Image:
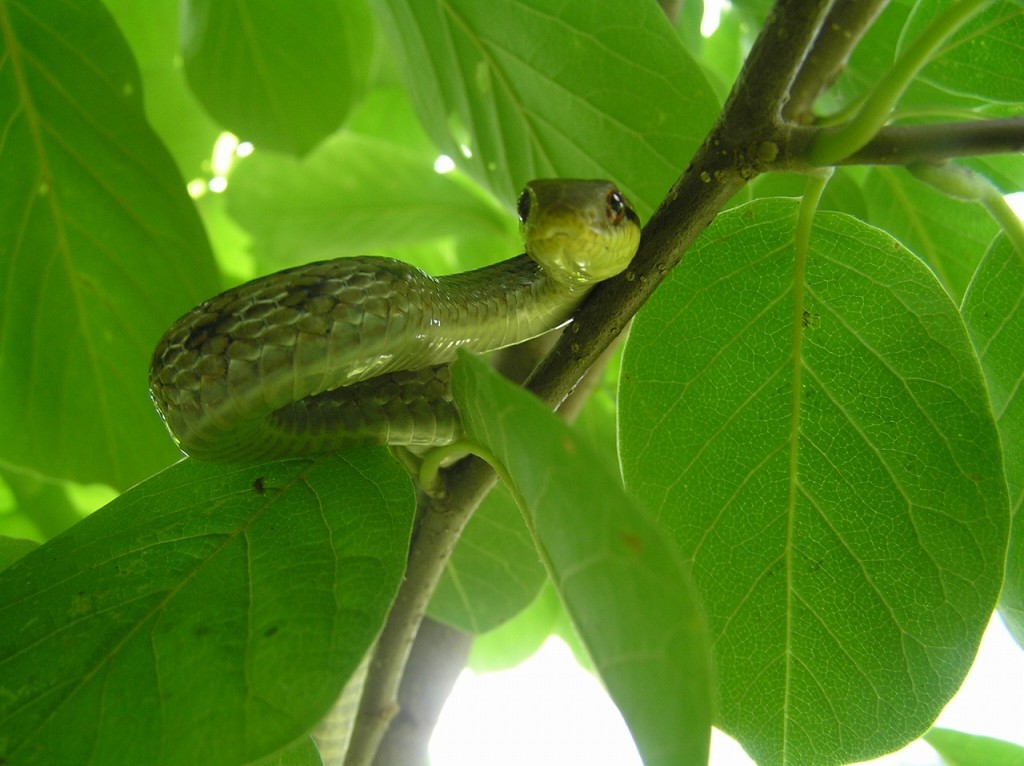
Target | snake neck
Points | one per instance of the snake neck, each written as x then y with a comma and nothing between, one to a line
500,305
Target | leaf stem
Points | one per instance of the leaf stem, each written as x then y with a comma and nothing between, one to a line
964,184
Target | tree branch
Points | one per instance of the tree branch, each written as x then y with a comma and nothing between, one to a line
742,143
441,524
438,657
763,86
844,27
903,144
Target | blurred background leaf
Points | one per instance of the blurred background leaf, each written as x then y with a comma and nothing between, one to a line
101,249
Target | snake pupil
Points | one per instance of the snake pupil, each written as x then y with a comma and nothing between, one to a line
616,207
523,206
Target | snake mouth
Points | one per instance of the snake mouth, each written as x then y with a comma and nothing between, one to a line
560,251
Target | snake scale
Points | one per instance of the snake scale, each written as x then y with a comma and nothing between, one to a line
356,350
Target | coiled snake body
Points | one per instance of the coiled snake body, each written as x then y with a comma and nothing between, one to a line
355,350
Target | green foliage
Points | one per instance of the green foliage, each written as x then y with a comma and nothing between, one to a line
760,431
594,539
995,319
553,92
816,448
101,248
959,749
221,598
272,76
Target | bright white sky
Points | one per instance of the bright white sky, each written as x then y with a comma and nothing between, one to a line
551,712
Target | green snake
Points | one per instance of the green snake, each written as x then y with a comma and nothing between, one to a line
356,350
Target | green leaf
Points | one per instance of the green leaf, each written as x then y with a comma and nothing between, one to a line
208,615
526,89
960,749
337,202
302,752
151,29
723,51
982,60
494,572
816,437
100,249
947,234
900,22
44,506
1006,171
626,591
519,638
687,25
994,317
279,78
13,548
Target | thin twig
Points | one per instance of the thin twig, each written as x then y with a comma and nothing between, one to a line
844,27
438,656
903,144
442,522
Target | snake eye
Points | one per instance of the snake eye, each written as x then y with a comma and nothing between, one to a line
523,206
615,207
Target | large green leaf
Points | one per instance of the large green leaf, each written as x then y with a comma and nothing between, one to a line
947,234
816,436
280,75
208,615
526,89
358,194
13,548
518,639
495,571
151,29
100,248
982,60
994,316
629,596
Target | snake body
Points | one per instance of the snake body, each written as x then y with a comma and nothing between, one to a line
355,350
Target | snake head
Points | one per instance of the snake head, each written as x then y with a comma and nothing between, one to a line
580,231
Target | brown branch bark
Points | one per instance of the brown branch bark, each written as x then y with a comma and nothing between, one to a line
438,656
904,144
441,524
844,27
